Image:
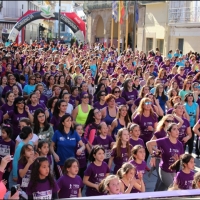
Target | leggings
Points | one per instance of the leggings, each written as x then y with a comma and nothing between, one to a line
158,182
190,143
166,178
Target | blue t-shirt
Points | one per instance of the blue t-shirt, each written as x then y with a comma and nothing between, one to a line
29,89
192,112
66,145
162,102
93,68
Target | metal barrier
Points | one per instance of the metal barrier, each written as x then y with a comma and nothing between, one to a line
176,194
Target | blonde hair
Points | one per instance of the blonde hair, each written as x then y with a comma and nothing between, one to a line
161,123
105,182
196,180
126,167
140,108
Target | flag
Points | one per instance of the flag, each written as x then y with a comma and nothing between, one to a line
114,11
121,11
136,13
127,8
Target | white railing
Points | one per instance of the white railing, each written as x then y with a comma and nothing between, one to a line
184,15
181,194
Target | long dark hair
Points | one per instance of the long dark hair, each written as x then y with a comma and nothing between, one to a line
90,118
68,163
126,84
99,87
56,110
35,173
22,158
36,123
61,126
94,151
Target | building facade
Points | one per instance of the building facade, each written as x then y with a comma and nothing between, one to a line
167,25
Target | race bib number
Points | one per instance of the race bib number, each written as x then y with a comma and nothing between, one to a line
26,179
107,153
4,150
42,195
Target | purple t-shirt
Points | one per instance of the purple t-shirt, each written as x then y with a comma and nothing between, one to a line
170,111
120,161
32,109
6,108
43,99
168,150
144,122
166,67
69,187
99,106
42,190
160,134
55,121
105,143
7,148
72,100
137,101
179,82
139,167
15,118
25,180
96,175
183,180
120,101
136,142
9,88
183,129
82,158
130,96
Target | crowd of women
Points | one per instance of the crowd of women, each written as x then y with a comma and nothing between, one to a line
77,116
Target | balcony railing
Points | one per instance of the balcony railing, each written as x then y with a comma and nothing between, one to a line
184,15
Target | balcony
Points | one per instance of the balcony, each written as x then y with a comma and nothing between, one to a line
187,15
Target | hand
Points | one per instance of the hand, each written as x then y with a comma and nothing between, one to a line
4,181
56,157
156,101
14,196
79,151
185,139
31,160
150,128
4,161
14,179
140,175
152,162
175,157
97,187
27,109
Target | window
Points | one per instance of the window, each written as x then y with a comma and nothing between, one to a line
62,27
180,44
160,44
149,44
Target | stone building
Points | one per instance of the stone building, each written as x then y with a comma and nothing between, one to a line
167,25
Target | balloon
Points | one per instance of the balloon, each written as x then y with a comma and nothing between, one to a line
2,190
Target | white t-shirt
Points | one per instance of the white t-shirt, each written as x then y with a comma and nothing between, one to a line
34,138
69,108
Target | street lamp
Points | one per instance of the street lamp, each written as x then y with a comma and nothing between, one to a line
59,20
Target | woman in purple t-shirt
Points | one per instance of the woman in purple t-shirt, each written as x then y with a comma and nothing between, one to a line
118,99
101,102
8,106
171,149
147,120
20,111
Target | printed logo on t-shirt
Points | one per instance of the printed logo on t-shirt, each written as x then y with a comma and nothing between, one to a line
26,179
74,190
42,195
4,150
99,177
61,138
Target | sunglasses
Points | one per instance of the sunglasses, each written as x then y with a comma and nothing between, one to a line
20,102
169,121
103,95
38,77
148,103
189,83
190,95
116,91
85,97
